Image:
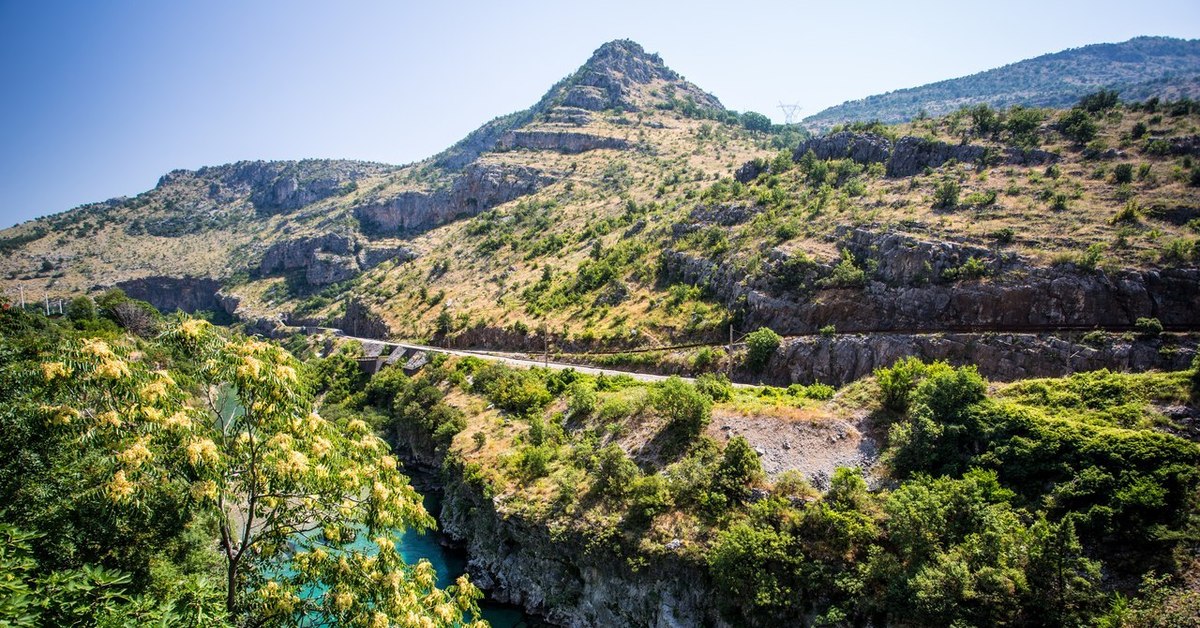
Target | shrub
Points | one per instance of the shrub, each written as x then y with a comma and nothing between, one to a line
1078,126
1128,214
533,461
1123,173
846,274
947,392
582,401
754,121
687,410
1004,235
1100,101
761,344
739,468
516,391
820,392
1196,375
615,472
945,195
717,387
897,382
1148,326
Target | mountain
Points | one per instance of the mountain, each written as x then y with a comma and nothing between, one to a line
1140,68
628,209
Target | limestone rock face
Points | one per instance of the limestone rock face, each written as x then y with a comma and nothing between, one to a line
297,254
561,141
168,294
909,291
999,357
278,186
910,155
480,186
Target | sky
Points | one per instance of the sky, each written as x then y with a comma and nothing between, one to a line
102,98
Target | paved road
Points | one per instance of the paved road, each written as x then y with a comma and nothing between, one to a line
512,360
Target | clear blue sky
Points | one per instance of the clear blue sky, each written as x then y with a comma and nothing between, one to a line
101,98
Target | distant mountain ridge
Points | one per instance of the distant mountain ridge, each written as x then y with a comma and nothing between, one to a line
1139,68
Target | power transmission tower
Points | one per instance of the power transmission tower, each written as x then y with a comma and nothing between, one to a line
789,111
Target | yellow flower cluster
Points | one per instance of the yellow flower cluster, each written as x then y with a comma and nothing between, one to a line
204,490
110,418
321,446
193,328
137,454
279,600
202,451
61,415
380,620
54,370
98,348
294,464
250,367
154,391
113,368
120,488
179,419
341,601
286,373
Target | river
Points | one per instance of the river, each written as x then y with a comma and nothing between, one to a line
450,564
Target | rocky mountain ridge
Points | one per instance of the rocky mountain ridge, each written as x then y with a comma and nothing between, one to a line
1139,68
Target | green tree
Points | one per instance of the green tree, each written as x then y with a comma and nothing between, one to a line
288,489
738,470
761,345
1077,126
687,410
81,309
754,121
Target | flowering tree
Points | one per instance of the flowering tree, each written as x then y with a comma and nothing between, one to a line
291,492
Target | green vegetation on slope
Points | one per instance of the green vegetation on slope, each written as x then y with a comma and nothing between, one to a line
1038,504
1140,68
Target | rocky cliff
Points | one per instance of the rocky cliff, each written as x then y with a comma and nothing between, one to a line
911,155
911,284
844,358
168,294
573,577
479,187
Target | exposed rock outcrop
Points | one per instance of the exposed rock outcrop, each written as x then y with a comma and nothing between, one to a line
842,359
910,155
360,321
909,290
168,294
279,186
479,187
901,258
328,258
561,141
566,575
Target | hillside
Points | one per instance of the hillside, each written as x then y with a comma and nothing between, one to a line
628,210
1141,68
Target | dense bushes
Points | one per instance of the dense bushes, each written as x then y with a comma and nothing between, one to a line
687,410
761,345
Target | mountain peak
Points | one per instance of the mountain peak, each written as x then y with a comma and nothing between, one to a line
627,58
621,74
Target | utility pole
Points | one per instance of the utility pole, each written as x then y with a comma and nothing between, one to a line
546,350
729,351
22,288
47,294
